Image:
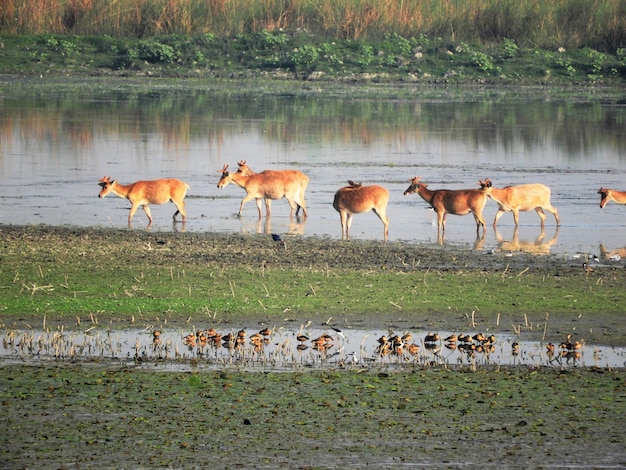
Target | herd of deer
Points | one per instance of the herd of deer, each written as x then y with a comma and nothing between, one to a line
352,199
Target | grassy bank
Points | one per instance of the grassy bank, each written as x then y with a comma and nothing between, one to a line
303,56
569,41
93,417
126,276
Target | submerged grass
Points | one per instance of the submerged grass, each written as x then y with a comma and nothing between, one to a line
91,416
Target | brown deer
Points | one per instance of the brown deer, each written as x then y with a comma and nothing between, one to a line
267,185
607,195
355,199
295,175
450,201
520,198
142,193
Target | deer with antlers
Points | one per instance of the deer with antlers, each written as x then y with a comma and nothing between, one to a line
142,193
268,185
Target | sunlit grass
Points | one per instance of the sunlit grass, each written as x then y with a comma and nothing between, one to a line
568,23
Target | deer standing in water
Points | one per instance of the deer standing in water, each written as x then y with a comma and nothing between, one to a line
451,201
142,193
520,198
355,199
292,175
268,185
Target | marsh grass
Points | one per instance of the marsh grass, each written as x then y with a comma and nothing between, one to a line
82,273
598,24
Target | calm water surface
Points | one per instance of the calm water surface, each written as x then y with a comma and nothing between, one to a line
56,145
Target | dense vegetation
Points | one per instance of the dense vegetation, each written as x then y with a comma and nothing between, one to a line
413,40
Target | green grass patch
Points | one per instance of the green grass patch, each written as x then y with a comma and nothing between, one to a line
130,275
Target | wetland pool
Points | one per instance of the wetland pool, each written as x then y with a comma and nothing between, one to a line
56,145
284,350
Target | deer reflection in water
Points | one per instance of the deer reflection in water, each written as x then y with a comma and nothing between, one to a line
612,255
540,246
295,226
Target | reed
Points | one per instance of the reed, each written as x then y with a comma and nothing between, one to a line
600,24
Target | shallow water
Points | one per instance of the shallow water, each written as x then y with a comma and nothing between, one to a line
283,351
54,147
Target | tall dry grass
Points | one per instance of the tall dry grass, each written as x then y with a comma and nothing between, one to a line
570,23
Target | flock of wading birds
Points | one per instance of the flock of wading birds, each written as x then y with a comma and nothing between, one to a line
353,199
392,345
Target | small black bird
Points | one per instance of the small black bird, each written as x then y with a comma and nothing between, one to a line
279,241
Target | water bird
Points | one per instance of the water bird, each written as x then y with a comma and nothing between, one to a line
265,332
279,241
588,269
451,339
413,349
302,337
355,358
339,332
431,338
479,337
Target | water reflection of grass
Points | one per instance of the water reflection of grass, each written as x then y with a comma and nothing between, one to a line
208,117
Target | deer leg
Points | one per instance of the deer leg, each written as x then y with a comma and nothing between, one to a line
480,220
180,206
348,224
133,209
498,215
268,207
243,203
541,214
554,212
343,216
146,209
299,201
382,215
294,207
441,222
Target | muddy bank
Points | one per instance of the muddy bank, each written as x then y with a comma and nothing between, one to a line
85,250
